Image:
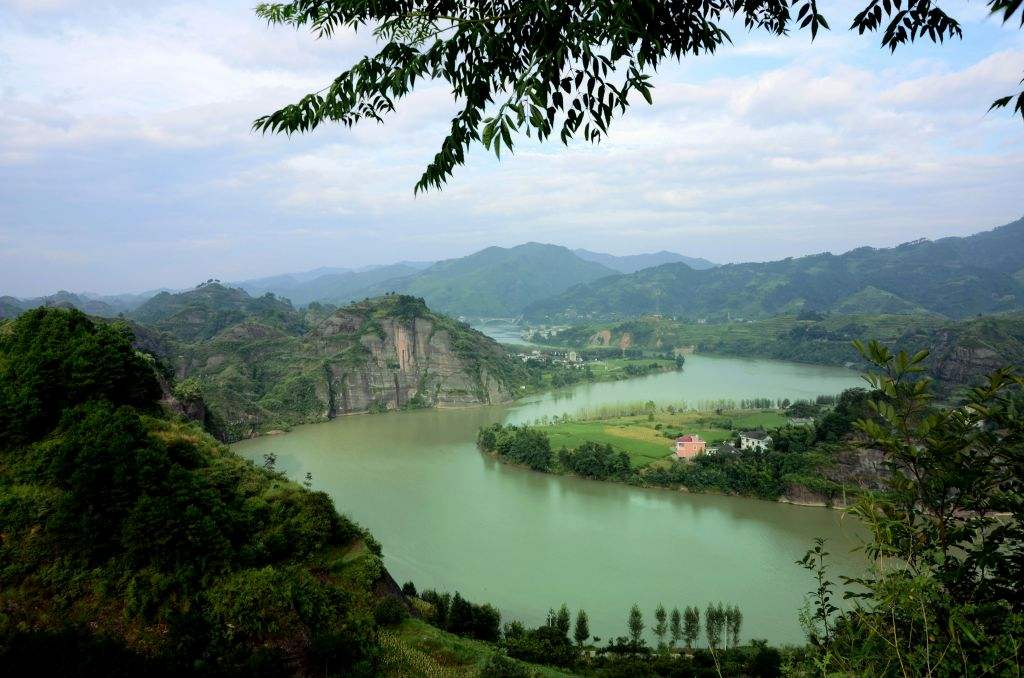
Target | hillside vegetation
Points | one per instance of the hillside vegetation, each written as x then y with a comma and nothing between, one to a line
138,544
954,277
260,365
630,263
961,352
497,281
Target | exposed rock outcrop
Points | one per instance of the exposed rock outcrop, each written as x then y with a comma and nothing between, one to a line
852,471
406,362
261,374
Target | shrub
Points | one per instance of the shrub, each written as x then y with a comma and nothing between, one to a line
501,666
390,611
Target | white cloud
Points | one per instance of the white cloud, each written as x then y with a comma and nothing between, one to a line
126,131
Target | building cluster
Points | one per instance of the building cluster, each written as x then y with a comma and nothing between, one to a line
571,358
692,445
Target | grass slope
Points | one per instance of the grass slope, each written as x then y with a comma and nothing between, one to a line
416,649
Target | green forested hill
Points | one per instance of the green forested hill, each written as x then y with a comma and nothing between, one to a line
11,307
496,281
630,263
261,365
134,544
955,277
210,308
961,351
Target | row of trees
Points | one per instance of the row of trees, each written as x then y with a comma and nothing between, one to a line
561,639
722,624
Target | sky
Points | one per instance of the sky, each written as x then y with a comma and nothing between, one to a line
127,162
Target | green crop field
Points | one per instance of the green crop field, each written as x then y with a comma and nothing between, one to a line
649,440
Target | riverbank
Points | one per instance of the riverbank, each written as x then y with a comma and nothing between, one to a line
546,377
449,517
636,482
802,461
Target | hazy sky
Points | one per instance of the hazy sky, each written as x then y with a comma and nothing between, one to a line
126,160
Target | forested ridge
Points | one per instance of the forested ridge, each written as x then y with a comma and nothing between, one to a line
953,277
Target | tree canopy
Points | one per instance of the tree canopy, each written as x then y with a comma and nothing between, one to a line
540,68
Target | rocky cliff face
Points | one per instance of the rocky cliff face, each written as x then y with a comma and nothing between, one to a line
964,364
380,354
406,363
853,471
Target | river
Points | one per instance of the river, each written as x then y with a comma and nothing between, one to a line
452,518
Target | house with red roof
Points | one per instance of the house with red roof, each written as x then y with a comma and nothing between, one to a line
689,446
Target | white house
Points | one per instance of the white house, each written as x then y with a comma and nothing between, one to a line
755,440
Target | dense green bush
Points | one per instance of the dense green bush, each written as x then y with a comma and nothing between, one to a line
462,617
390,611
517,444
501,666
53,360
542,645
593,460
138,539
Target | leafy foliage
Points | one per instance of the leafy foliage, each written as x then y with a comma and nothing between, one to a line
51,361
545,69
517,444
122,524
593,460
457,615
946,537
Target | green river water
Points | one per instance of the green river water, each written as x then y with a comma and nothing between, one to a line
452,518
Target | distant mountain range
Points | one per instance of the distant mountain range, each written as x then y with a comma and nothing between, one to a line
103,306
496,281
954,277
631,263
330,285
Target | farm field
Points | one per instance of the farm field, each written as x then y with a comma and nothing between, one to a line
649,439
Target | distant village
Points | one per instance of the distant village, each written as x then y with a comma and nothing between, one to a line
554,357
692,445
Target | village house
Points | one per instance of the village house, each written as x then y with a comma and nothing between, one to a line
723,448
755,440
689,446
801,421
